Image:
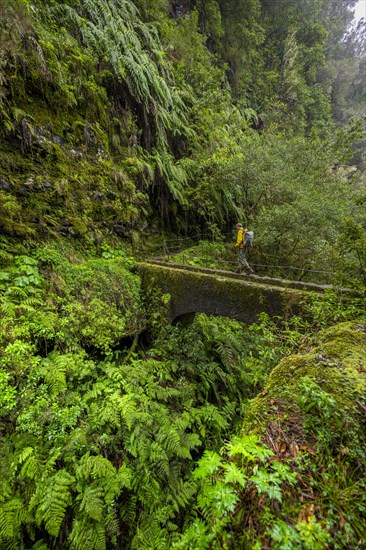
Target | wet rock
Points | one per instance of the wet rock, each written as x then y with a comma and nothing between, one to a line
27,187
66,231
76,154
120,229
97,197
41,140
4,185
101,153
42,136
112,195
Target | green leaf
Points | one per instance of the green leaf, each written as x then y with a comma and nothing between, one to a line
234,475
207,465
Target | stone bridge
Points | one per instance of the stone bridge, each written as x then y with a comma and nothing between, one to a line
196,289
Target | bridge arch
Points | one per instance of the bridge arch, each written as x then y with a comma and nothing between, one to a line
195,290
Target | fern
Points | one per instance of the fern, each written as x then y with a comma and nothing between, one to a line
53,502
93,502
53,371
31,468
248,447
208,465
115,31
234,475
127,406
94,467
12,514
150,535
128,510
40,545
181,494
87,534
113,485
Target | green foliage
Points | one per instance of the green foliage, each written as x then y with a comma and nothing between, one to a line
95,302
307,535
52,504
223,484
253,495
99,452
115,114
7,393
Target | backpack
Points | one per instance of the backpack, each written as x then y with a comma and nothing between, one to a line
249,238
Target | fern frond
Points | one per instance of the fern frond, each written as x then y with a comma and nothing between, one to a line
24,454
93,502
127,407
12,514
31,468
87,534
94,467
40,545
128,510
53,502
114,31
17,292
8,308
97,390
54,376
181,493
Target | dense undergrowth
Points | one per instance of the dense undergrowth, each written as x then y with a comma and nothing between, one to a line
124,125
305,487
98,442
100,436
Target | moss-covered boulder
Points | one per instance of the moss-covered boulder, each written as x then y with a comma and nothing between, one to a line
336,363
312,415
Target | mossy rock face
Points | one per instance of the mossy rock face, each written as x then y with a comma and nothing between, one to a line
336,363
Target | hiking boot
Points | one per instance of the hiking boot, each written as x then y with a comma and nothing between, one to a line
238,270
250,271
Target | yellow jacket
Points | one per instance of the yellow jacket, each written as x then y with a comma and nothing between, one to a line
240,238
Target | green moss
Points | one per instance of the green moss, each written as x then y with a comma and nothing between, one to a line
244,300
337,362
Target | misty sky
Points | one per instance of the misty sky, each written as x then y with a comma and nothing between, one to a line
360,10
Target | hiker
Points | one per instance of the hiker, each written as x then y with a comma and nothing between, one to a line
244,240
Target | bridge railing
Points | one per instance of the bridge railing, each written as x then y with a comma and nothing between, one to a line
206,250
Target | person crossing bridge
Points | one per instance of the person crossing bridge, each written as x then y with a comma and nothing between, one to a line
244,240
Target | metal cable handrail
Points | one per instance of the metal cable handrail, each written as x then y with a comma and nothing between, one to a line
289,267
184,240
308,270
